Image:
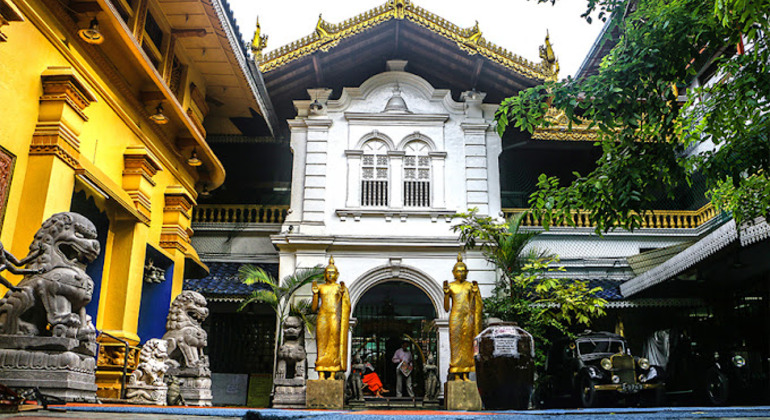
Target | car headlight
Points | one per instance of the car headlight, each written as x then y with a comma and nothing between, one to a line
615,379
606,364
644,363
739,361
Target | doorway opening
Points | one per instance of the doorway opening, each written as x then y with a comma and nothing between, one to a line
386,314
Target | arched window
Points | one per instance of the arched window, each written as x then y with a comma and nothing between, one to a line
417,174
374,174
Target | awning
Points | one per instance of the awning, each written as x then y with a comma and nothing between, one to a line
699,251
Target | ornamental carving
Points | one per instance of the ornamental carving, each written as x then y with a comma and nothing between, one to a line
327,35
7,163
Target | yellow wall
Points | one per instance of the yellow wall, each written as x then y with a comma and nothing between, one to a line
34,46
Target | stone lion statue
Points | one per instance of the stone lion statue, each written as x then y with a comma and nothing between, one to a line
152,363
146,383
57,289
184,334
291,354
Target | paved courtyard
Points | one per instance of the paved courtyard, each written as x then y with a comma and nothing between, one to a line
165,413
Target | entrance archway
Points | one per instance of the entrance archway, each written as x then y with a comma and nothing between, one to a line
385,314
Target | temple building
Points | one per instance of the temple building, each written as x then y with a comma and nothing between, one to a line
109,104
383,130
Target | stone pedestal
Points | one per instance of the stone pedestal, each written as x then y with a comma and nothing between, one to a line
195,385
289,393
462,395
63,374
147,394
326,394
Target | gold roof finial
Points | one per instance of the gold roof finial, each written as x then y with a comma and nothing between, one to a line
259,42
550,63
320,27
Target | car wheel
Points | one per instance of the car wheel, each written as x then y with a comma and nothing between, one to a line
587,395
717,387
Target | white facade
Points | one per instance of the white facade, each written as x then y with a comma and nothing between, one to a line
376,189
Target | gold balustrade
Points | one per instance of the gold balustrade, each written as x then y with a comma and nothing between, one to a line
239,213
665,219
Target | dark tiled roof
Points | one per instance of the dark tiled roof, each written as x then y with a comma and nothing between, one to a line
610,288
223,280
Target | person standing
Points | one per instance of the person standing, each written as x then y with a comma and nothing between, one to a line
403,360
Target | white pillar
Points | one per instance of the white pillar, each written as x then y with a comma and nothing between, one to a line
437,167
299,149
443,349
476,182
314,206
396,178
354,178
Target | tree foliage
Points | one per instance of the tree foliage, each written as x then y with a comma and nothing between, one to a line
528,291
650,141
280,295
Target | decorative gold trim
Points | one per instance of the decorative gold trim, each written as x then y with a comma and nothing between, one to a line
327,36
559,129
654,219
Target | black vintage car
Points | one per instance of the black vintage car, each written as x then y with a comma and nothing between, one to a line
597,367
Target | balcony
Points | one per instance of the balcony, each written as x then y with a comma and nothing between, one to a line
240,214
657,219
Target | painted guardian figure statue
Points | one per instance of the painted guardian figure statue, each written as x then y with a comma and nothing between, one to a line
465,320
332,302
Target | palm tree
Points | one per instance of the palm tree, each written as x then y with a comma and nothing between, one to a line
502,244
280,296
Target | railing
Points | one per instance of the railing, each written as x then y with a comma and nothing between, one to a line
374,193
239,213
666,219
416,194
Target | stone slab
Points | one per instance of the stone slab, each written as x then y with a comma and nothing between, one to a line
66,375
37,343
289,396
326,394
462,395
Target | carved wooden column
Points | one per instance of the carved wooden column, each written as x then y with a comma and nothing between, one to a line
174,236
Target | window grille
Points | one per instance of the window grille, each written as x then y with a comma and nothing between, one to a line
374,175
416,176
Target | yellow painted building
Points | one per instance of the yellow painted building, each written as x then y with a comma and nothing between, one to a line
106,105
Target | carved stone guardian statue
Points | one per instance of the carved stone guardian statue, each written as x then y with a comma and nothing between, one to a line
432,384
146,385
465,321
186,341
332,302
46,338
355,382
291,372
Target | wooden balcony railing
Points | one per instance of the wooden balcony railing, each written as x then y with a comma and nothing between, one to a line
239,213
665,219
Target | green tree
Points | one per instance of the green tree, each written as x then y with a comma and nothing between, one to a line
527,291
280,296
645,134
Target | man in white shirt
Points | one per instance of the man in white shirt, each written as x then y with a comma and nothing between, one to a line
403,360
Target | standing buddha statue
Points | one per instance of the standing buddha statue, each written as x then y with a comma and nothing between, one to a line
332,302
464,320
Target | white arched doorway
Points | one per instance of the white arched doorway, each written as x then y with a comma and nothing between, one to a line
389,303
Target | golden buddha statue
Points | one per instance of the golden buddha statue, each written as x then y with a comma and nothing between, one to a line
464,320
332,323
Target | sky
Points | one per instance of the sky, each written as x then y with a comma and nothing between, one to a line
517,25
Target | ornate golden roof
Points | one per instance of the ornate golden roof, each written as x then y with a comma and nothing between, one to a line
327,35
559,129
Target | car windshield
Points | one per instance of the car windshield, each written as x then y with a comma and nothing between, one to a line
598,346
